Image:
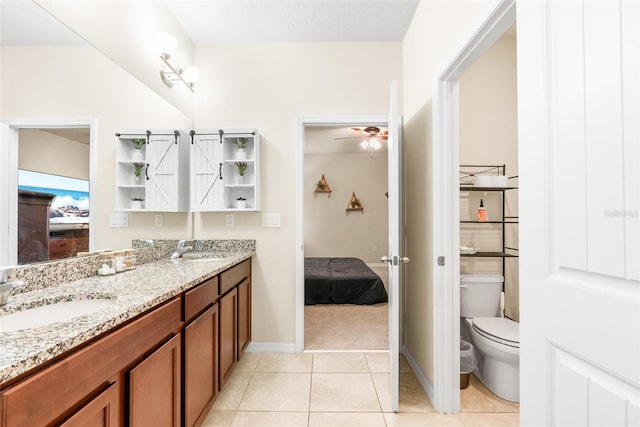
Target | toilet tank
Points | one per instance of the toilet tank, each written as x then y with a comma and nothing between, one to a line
480,295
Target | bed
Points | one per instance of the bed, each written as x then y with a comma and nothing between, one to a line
341,281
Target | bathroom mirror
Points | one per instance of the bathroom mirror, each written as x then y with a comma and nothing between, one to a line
26,27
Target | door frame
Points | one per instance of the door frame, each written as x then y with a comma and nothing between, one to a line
445,190
303,121
9,192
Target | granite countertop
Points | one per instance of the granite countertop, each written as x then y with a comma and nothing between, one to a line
133,292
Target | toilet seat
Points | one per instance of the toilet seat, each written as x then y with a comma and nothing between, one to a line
498,329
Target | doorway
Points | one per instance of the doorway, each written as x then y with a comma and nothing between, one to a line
446,239
345,165
59,189
320,152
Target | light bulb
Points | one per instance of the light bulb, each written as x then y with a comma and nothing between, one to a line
191,74
166,44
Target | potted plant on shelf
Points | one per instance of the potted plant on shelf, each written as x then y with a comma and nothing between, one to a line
138,143
137,173
241,203
137,203
242,170
241,143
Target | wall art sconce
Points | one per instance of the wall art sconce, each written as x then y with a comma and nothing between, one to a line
170,74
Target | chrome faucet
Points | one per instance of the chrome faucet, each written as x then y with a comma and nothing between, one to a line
180,249
7,286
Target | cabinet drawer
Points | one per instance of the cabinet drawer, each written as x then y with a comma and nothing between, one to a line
200,297
234,275
68,383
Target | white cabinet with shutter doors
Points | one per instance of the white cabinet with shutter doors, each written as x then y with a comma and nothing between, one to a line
216,184
164,166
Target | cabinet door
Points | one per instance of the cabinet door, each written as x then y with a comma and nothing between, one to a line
102,411
244,316
228,334
154,388
161,189
206,172
200,365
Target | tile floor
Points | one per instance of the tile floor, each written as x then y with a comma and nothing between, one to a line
329,389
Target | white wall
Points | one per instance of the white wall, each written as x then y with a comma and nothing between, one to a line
267,86
45,152
80,82
489,136
125,32
331,230
438,28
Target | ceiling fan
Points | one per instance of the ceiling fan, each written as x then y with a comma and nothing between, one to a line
371,137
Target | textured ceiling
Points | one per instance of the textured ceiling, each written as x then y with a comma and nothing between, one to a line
24,23
293,20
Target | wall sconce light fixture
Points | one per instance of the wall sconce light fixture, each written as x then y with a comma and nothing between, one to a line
166,44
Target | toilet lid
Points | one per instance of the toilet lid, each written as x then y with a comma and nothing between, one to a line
499,329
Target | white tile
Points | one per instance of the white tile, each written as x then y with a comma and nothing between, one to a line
270,419
343,393
346,419
340,362
277,392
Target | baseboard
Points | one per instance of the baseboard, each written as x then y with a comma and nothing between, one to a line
422,378
271,347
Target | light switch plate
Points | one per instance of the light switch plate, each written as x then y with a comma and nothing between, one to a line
119,220
229,220
159,221
271,220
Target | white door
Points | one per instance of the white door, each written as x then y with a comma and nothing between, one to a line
396,257
578,130
162,157
206,170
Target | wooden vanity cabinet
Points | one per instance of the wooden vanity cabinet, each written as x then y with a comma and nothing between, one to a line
244,316
87,386
235,316
200,344
155,388
164,368
101,411
228,334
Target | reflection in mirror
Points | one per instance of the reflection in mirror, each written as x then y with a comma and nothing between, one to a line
53,193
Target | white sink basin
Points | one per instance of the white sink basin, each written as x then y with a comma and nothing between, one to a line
51,313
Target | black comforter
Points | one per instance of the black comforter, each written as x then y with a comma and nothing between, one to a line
341,281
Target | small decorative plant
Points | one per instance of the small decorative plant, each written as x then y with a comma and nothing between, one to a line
137,199
355,203
321,186
242,168
241,199
138,143
137,169
241,142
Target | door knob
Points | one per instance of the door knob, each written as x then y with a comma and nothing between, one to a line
405,260
385,259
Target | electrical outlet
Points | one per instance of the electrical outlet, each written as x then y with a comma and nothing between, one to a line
159,221
375,248
119,220
230,220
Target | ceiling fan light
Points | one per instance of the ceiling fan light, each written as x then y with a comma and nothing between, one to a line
375,144
364,144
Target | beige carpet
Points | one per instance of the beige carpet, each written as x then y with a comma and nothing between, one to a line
346,327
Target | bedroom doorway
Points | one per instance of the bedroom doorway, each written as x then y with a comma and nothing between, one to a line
345,235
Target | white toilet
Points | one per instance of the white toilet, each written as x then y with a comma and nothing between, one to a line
496,339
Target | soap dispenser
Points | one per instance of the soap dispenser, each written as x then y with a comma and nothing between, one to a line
482,212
